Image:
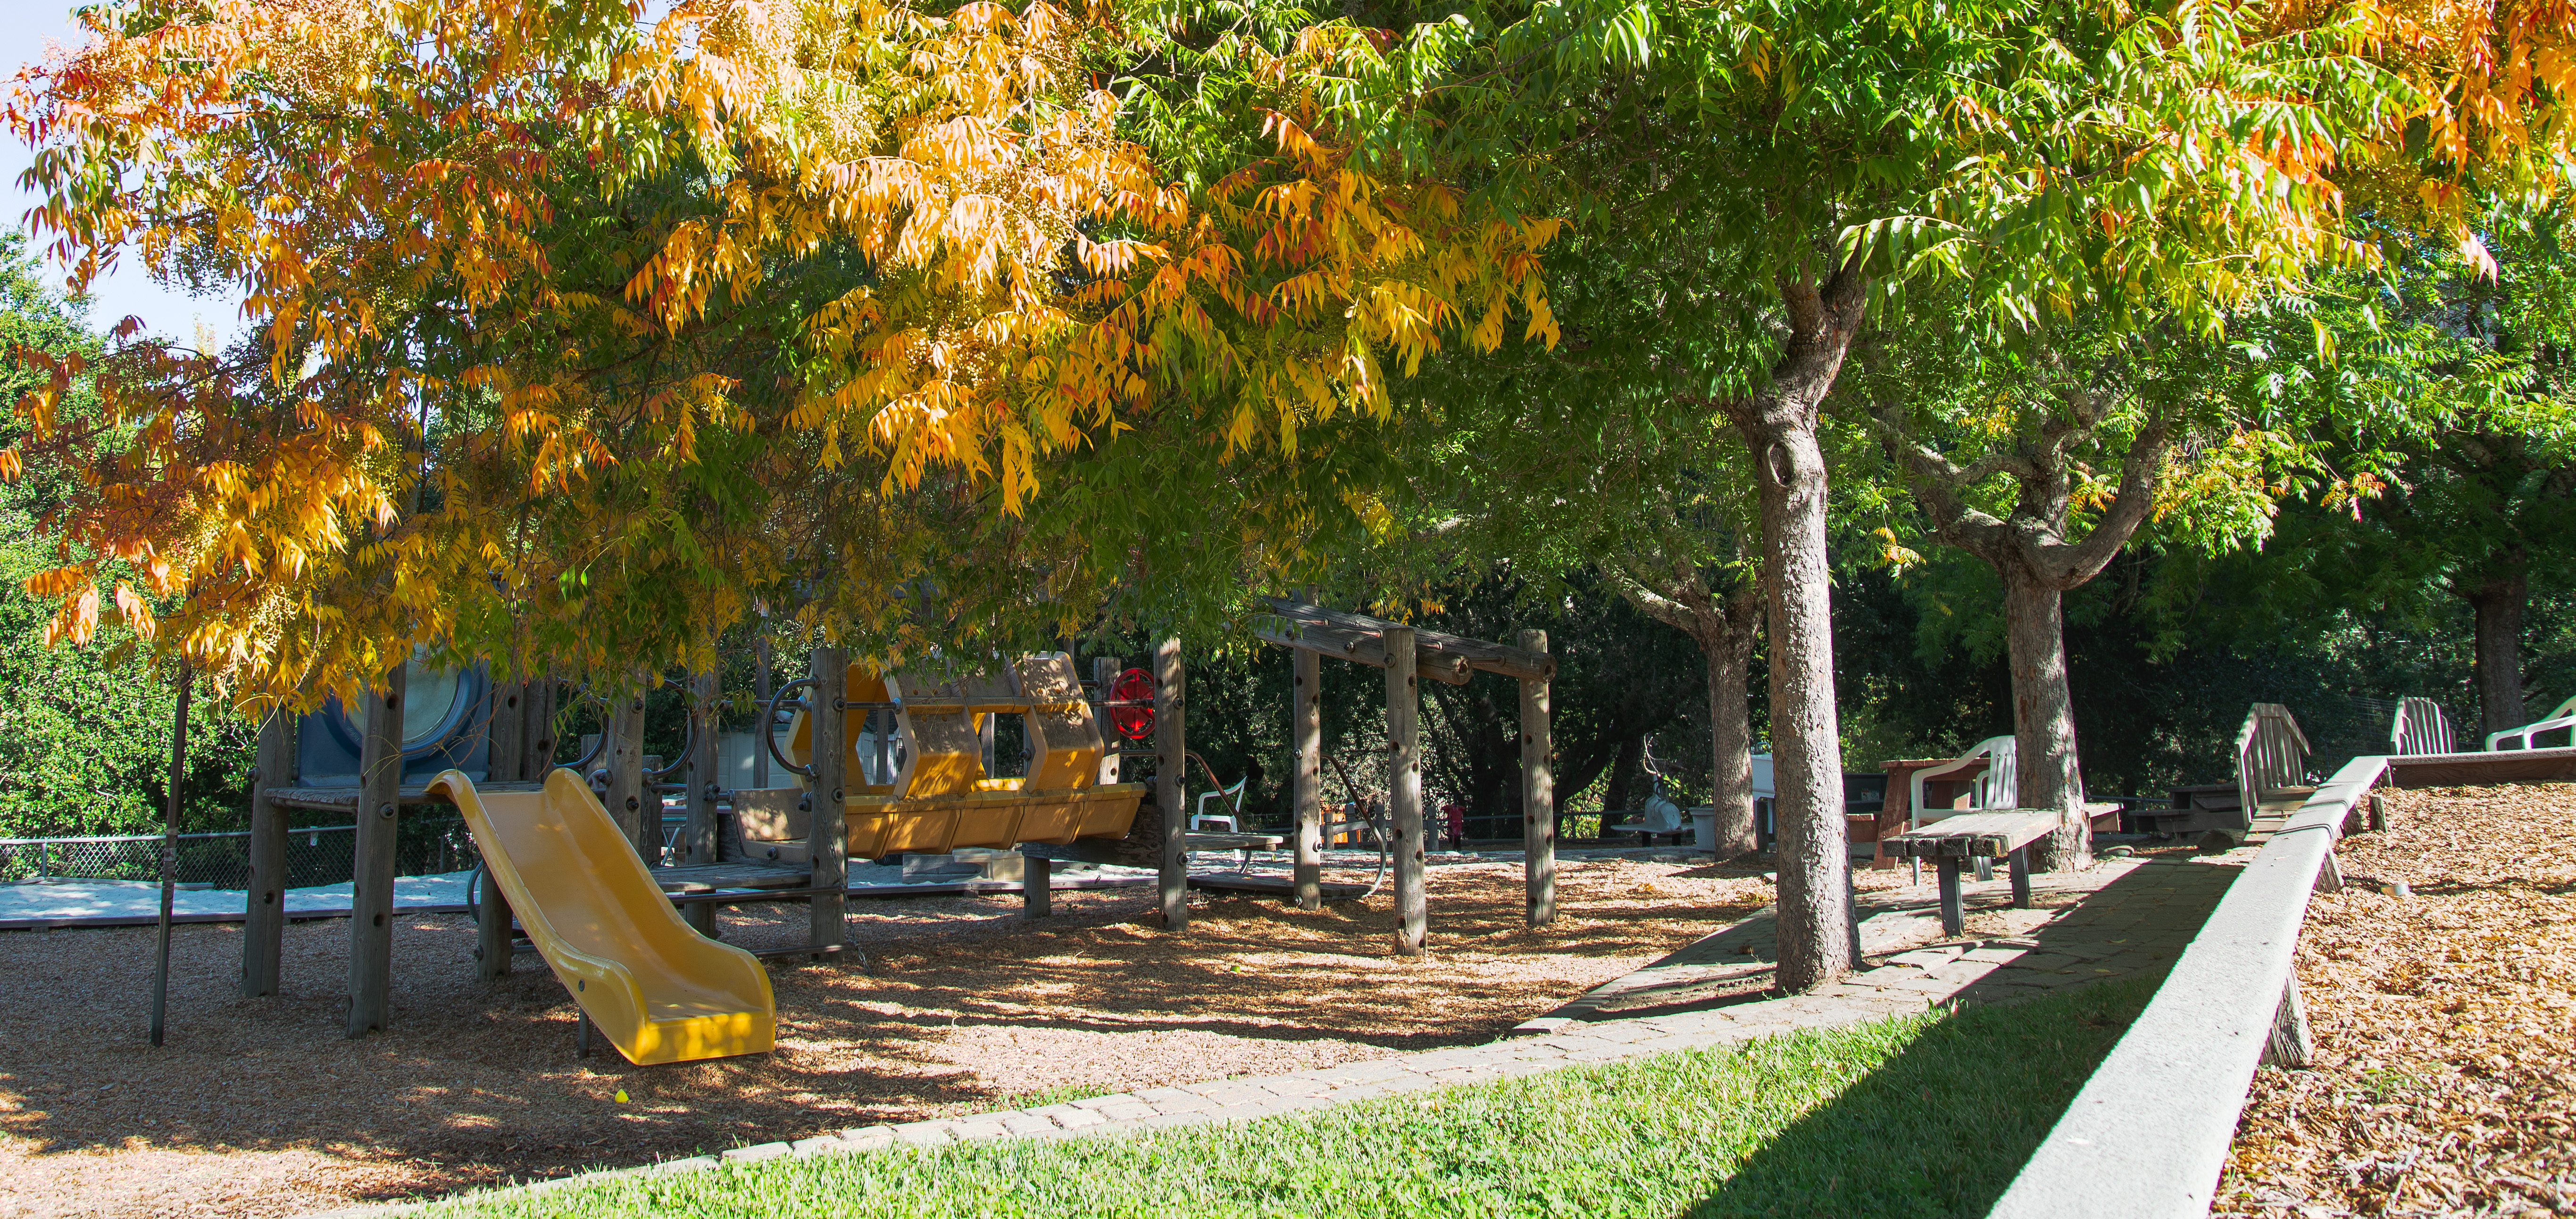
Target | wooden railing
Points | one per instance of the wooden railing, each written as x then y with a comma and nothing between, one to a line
2271,754
2420,728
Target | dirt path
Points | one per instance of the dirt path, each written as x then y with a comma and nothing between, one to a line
2443,1022
259,1107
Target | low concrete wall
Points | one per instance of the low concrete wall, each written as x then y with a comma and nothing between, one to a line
2148,1135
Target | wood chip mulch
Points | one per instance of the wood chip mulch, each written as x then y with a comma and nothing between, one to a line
261,1107
2444,1022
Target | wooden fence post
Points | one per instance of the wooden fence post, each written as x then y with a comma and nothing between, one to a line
264,931
371,887
1404,790
1172,781
827,834
1306,729
1538,793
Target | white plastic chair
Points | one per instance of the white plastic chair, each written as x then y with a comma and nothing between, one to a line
2562,719
1205,822
1998,787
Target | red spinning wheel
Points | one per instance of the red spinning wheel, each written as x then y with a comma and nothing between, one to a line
1131,704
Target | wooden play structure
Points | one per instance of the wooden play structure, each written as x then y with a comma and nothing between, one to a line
939,799
1407,654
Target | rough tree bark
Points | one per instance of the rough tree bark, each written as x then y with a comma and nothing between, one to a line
1724,627
2498,603
1778,424
2029,550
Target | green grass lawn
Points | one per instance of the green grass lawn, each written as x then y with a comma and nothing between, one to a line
1923,1115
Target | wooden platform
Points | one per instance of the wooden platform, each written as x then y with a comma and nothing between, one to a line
1270,885
345,799
707,878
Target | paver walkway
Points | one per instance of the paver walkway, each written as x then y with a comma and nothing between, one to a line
2119,919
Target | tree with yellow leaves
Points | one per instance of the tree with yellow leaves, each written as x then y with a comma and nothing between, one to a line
575,335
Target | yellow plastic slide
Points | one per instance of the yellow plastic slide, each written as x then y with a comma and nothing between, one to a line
660,991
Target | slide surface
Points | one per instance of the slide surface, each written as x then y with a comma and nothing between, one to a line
659,990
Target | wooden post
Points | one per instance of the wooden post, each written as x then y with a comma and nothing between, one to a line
2021,876
537,724
170,849
827,836
1104,674
1404,790
1172,781
264,931
371,888
492,942
505,732
698,838
1538,793
762,730
1037,878
1954,911
638,818
1306,779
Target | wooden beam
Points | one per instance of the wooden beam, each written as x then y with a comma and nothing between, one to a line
1104,674
537,726
492,942
1172,781
625,794
505,730
264,931
1477,654
371,882
698,837
827,836
1362,648
1306,778
1404,791
1538,792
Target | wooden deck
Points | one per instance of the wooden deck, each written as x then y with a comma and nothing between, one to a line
345,799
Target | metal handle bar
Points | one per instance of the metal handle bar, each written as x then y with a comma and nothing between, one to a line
769,739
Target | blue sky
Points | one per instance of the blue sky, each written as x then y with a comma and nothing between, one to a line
27,27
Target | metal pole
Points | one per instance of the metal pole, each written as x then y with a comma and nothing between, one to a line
170,853
760,690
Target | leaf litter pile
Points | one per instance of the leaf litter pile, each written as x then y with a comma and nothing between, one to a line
2443,1022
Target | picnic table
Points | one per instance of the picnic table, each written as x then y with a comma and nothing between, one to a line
2004,833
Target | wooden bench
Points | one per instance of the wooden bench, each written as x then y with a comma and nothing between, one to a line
1990,834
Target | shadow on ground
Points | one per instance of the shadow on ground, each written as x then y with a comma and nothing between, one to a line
1941,1129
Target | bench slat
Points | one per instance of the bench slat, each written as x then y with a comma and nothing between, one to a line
1989,834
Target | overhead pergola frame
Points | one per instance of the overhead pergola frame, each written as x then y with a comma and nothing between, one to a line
1360,639
1407,653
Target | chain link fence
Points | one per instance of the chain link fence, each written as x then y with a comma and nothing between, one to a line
315,855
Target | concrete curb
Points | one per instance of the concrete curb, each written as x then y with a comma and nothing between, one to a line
2148,1135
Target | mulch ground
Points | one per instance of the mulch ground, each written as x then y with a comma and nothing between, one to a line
260,1107
2444,1022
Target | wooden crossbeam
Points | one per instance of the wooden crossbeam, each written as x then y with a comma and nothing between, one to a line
1362,648
1478,654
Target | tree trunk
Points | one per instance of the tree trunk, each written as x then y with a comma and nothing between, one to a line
1806,735
1779,429
1620,796
2498,604
1731,739
2044,717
